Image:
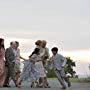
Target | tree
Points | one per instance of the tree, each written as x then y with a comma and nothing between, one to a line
69,67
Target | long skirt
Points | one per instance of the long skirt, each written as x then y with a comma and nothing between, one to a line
40,69
2,72
29,72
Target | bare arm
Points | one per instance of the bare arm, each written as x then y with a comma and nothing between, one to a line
38,60
23,58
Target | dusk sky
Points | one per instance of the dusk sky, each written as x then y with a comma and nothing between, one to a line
63,23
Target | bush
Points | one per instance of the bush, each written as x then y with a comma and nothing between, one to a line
51,73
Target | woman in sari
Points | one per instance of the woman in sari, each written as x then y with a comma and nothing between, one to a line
2,62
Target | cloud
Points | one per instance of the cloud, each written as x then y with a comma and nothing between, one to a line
62,23
78,55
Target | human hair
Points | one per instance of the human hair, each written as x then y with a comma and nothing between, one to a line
54,49
44,42
38,42
36,51
17,43
11,43
1,46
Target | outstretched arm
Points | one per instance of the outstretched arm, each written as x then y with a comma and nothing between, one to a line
38,60
22,58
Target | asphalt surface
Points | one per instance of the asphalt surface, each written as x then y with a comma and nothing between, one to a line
54,86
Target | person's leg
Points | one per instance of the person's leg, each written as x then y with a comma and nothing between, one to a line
45,79
12,73
42,82
22,77
66,78
67,81
13,78
17,77
17,71
46,82
60,79
7,76
32,84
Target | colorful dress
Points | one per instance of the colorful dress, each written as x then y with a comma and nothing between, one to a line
40,69
29,71
2,67
39,65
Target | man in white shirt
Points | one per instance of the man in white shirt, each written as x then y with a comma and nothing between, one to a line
58,64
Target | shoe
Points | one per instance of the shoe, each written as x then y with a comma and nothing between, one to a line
69,84
6,86
47,86
63,88
18,86
41,86
32,86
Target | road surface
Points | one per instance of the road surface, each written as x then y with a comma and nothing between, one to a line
54,86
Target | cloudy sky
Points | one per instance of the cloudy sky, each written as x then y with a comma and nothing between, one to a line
63,23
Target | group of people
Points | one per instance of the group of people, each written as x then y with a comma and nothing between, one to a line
34,67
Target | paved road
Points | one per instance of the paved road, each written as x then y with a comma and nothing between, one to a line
54,86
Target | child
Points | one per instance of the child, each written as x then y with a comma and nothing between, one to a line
29,70
59,62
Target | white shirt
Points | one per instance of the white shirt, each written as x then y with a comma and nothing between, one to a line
17,55
58,61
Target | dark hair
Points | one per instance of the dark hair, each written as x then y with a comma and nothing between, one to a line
36,51
17,43
1,46
11,43
54,49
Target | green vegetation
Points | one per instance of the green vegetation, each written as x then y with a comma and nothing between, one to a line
84,80
76,80
69,67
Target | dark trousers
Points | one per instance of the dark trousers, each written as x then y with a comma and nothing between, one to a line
10,73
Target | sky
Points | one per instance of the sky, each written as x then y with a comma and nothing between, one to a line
63,23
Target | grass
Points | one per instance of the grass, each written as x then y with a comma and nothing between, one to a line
85,80
74,79
79,80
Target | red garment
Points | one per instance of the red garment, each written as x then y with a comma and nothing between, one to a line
2,67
